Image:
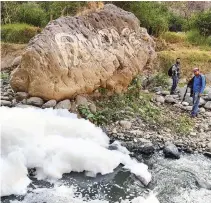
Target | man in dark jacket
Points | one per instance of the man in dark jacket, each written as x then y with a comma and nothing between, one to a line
175,75
198,86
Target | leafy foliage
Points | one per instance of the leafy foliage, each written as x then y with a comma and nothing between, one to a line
18,33
96,118
4,76
152,15
194,37
203,23
135,103
31,13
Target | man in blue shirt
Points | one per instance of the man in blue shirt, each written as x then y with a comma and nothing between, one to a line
198,88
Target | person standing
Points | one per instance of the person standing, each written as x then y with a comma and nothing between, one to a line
199,83
175,74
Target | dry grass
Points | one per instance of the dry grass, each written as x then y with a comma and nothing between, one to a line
173,37
90,7
190,58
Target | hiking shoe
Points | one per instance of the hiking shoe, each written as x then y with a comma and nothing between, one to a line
192,116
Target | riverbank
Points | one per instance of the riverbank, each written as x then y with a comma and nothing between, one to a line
143,120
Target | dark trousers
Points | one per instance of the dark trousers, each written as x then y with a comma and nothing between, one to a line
175,80
196,101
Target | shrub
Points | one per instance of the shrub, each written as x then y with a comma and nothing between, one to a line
173,37
152,15
176,22
31,13
18,33
203,23
4,76
194,37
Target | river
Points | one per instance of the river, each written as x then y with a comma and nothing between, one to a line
187,180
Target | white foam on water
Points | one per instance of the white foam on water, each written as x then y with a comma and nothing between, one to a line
64,194
193,196
55,142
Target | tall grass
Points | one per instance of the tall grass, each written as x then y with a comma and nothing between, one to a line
174,37
18,33
195,38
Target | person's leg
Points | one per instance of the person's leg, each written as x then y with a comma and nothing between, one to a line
173,84
196,100
197,104
176,82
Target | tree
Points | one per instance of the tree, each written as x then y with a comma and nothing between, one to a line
9,11
64,8
152,15
203,23
32,13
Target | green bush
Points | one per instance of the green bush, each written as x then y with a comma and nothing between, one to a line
194,37
202,23
176,22
18,33
152,15
31,13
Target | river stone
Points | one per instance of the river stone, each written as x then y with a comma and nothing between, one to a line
185,103
189,100
157,89
65,104
93,108
80,100
164,93
36,101
209,146
106,48
202,102
207,154
209,95
171,151
160,99
5,94
7,98
5,103
170,99
188,108
208,105
14,102
21,95
146,148
202,110
49,104
125,124
208,114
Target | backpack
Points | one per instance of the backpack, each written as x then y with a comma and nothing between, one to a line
170,71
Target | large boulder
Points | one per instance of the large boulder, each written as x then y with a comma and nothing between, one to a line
76,55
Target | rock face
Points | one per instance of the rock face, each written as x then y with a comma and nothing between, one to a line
76,55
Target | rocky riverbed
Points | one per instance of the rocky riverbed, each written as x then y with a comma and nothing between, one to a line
136,134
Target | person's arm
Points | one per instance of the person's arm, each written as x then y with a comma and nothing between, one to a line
203,84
